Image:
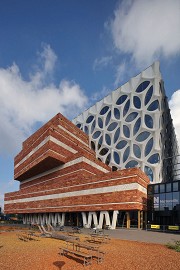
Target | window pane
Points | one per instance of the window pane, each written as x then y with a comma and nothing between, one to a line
148,95
162,201
142,86
137,102
104,110
175,186
156,188
112,126
169,201
168,187
121,99
176,198
162,188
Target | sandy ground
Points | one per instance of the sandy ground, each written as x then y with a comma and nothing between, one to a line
44,254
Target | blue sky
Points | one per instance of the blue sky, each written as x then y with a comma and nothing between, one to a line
63,56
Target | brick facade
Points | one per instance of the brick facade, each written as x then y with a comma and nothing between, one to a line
59,173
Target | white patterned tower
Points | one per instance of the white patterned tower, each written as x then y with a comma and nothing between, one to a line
131,126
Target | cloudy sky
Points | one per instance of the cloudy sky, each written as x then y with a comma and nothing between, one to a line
63,56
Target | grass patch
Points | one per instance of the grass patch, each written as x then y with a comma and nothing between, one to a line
175,246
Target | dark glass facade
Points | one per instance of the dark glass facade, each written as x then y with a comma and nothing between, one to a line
164,203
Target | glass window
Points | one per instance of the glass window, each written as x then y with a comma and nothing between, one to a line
136,150
89,119
137,102
116,135
137,126
78,125
154,159
116,113
148,147
100,142
142,136
108,118
131,117
162,201
86,130
175,186
108,159
104,110
112,126
126,131
96,134
126,108
116,158
142,86
148,171
148,95
162,188
153,106
126,154
168,187
169,201
108,139
121,99
100,122
150,189
148,121
103,151
131,164
121,144
92,145
175,198
156,188
93,126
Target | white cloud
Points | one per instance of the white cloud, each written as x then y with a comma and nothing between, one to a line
102,62
120,72
23,103
174,105
147,29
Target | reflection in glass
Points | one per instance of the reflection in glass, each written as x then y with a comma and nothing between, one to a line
137,102
148,95
93,126
153,106
131,164
104,110
136,150
154,159
121,144
142,86
148,147
126,108
121,99
137,126
116,113
126,154
142,136
100,122
116,135
126,131
116,158
108,139
148,121
108,118
89,119
148,171
131,117
112,126
96,134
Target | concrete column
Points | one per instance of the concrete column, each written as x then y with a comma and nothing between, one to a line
139,219
142,218
128,224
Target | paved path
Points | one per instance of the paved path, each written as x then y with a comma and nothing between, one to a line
141,235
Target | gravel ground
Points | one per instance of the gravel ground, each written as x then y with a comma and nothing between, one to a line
43,254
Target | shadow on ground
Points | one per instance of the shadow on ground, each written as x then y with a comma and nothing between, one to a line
59,264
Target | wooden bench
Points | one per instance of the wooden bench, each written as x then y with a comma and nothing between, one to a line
87,257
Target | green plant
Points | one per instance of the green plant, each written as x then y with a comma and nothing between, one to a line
175,246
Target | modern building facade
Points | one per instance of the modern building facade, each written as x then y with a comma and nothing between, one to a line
96,169
62,182
132,127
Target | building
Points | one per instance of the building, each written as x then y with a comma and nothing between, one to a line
96,169
132,127
61,181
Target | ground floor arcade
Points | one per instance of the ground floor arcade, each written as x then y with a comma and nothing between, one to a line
99,219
